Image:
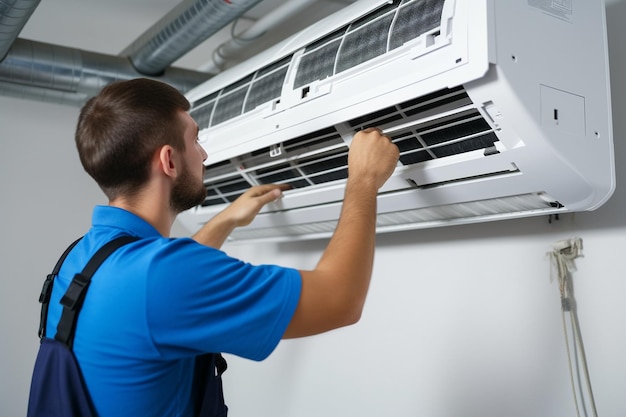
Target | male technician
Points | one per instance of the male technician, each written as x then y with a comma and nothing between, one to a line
158,302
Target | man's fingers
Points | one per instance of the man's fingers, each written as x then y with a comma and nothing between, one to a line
259,190
269,196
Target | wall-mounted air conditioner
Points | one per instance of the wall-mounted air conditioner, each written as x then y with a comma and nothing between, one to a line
500,109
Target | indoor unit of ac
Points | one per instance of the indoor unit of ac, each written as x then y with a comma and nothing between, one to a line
500,109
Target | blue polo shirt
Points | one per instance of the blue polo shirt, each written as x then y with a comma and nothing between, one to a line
156,303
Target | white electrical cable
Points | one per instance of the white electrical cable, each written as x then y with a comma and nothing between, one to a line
562,257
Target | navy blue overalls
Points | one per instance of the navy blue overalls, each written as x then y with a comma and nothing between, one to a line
57,387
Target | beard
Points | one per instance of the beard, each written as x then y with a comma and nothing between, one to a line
187,192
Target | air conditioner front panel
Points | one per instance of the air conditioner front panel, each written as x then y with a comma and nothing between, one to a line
480,98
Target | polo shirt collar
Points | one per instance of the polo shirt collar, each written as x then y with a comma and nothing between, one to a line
118,218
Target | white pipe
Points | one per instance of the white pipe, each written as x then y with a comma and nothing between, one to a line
229,48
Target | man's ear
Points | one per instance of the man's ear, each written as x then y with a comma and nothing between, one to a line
166,160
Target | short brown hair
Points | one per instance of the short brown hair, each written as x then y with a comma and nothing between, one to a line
120,129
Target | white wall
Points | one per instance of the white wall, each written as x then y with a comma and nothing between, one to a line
46,202
460,321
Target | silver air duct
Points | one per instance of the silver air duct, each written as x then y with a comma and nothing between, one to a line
63,75
13,16
40,71
181,30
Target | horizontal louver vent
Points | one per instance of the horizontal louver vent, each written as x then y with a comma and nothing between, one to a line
438,125
373,35
420,217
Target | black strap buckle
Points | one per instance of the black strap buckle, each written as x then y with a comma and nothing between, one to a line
46,290
75,292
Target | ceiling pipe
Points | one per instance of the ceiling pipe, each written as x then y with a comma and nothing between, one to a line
181,30
40,71
13,16
52,73
238,42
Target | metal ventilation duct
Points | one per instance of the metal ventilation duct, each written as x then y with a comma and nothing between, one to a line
40,71
182,29
13,16
63,75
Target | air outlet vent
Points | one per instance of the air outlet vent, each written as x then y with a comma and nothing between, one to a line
449,214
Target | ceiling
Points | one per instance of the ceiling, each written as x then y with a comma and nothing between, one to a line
110,27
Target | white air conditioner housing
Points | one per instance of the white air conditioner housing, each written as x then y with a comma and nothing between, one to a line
500,109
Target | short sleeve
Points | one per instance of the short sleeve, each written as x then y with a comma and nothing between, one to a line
201,300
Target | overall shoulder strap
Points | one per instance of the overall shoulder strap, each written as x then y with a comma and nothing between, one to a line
73,299
46,291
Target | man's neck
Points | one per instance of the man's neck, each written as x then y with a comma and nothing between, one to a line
150,208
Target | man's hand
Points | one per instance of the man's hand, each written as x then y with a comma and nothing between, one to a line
243,210
372,157
240,212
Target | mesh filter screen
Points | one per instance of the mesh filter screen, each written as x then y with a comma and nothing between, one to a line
338,34
386,28
364,44
447,136
202,115
471,144
242,96
317,65
229,106
414,19
266,89
368,37
387,9
201,110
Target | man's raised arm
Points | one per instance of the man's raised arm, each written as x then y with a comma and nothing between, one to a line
333,294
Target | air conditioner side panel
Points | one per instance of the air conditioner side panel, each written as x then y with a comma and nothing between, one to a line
551,87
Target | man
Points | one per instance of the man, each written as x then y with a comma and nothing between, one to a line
156,303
